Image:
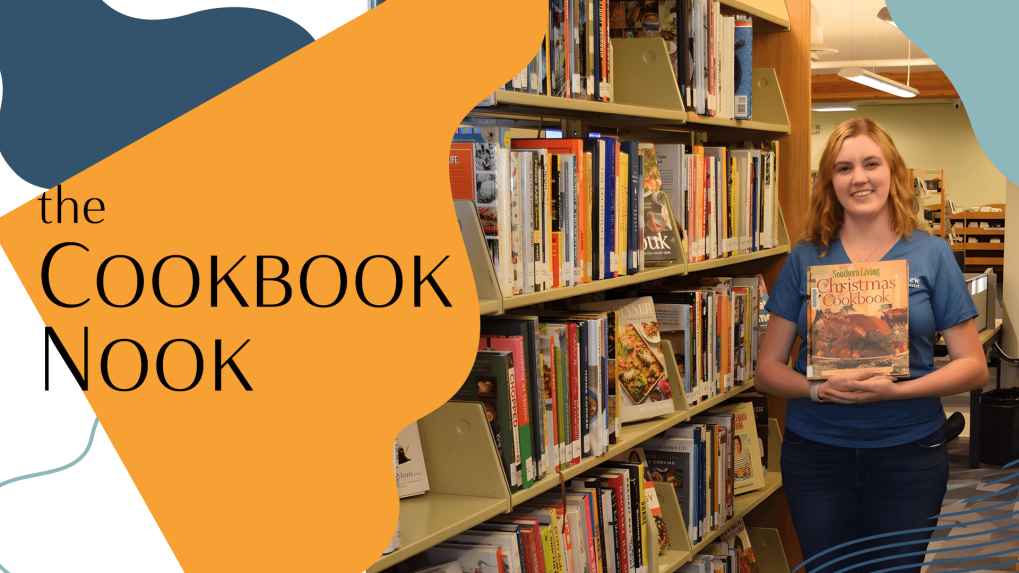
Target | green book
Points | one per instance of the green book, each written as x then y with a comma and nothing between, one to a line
489,382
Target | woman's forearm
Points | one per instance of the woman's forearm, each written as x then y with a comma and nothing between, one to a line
960,375
778,379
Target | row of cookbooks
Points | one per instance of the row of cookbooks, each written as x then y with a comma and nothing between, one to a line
564,212
711,53
557,385
598,523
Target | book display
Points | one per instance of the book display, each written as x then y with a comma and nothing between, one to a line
519,465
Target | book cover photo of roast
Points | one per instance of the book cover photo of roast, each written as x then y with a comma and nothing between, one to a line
858,318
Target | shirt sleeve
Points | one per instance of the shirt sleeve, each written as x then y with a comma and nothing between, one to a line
950,298
785,298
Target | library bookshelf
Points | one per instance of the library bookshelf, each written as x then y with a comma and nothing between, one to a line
468,485
983,238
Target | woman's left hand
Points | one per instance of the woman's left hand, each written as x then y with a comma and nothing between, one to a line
871,389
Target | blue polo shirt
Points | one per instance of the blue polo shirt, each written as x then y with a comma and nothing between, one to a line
938,300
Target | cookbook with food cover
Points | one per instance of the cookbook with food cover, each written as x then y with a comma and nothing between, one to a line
490,382
858,318
748,473
515,344
736,536
642,386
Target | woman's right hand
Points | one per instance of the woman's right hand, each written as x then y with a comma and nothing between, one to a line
847,388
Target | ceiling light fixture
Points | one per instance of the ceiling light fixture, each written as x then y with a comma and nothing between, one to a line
869,79
832,106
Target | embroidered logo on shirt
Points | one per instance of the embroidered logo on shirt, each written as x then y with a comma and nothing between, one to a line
914,283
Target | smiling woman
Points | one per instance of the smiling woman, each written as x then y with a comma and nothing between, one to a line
868,448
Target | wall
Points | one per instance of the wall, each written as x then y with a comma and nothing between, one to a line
1010,290
935,135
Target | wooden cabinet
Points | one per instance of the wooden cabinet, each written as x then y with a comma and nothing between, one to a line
983,238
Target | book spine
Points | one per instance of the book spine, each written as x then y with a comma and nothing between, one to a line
572,355
610,209
590,205
712,76
527,470
743,77
603,195
623,225
555,217
591,443
636,180
563,387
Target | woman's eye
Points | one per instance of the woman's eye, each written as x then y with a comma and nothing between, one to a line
872,164
843,169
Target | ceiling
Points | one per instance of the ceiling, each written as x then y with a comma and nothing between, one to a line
852,28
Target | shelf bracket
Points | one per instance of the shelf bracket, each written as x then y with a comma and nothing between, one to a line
575,129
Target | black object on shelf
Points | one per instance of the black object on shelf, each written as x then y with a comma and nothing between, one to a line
999,426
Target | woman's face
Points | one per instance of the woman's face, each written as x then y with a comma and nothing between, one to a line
739,449
861,177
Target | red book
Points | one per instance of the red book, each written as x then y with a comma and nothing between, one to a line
573,355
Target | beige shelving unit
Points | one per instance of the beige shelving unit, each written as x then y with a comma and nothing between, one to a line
938,199
465,471
468,486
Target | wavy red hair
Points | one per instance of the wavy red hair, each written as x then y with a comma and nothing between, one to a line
826,215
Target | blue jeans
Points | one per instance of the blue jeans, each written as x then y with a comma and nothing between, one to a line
839,494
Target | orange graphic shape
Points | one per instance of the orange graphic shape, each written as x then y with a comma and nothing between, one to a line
341,149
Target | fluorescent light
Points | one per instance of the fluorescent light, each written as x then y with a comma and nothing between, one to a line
832,106
862,76
884,16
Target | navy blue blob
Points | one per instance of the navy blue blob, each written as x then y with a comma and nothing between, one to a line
82,81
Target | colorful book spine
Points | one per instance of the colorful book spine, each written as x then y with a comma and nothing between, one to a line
744,74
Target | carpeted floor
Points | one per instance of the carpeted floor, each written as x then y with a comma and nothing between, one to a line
992,544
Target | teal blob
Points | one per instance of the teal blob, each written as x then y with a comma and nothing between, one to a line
972,44
82,81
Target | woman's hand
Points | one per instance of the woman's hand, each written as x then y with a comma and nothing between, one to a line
860,387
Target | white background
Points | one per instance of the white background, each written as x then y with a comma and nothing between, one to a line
89,517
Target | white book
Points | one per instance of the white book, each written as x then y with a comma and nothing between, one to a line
743,165
546,223
527,220
516,223
719,35
504,540
412,474
503,220
472,558
699,39
608,519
